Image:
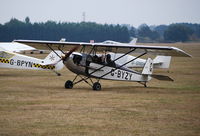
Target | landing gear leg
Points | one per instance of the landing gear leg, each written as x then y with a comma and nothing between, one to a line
58,74
95,86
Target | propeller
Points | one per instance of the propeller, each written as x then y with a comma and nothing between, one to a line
66,55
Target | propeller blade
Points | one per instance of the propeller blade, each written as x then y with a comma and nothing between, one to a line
70,52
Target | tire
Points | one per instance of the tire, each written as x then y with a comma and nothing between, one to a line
68,84
96,86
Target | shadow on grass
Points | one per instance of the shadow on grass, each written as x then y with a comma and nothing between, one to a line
132,89
124,89
138,90
25,74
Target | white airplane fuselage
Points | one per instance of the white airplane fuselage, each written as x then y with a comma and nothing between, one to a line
84,65
18,61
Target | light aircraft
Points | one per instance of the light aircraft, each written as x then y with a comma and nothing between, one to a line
132,42
86,64
10,59
158,62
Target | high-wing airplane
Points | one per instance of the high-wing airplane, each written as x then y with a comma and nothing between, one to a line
158,61
132,42
10,59
86,64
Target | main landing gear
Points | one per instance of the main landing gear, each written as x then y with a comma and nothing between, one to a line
95,86
68,84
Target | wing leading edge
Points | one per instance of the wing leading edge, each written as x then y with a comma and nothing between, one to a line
117,48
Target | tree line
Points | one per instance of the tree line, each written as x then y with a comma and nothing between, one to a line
86,31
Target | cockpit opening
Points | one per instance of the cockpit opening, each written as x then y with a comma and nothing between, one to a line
103,59
77,59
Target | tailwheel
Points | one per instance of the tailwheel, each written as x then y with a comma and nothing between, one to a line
145,84
58,74
68,84
97,86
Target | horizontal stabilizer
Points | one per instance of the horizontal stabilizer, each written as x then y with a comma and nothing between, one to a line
162,61
162,77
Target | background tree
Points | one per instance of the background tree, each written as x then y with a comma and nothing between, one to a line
86,31
144,32
160,30
177,33
51,30
132,32
27,20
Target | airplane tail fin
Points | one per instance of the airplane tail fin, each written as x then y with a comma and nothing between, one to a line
162,61
133,41
148,67
148,70
54,59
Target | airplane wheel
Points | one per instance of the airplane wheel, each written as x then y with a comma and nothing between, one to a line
58,74
68,84
97,86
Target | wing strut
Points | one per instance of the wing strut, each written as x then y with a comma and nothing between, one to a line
124,64
53,50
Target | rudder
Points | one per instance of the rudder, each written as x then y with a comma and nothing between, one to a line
54,59
148,67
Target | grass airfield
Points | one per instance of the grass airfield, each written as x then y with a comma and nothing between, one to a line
36,103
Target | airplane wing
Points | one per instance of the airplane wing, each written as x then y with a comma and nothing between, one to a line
15,47
117,48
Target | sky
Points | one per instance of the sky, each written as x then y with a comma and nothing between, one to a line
133,12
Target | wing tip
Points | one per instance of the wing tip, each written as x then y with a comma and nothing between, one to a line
181,52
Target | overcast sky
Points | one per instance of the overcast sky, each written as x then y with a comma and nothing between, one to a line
134,12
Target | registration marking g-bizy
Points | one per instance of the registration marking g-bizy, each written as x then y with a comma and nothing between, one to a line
121,74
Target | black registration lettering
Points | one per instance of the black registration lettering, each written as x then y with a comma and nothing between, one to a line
123,73
126,77
119,73
130,75
30,64
12,62
18,62
112,72
22,62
